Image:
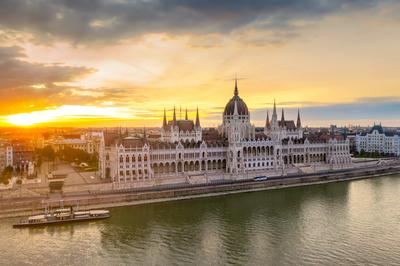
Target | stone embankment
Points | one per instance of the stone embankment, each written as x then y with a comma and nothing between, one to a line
122,197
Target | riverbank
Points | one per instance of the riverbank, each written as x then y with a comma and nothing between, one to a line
116,198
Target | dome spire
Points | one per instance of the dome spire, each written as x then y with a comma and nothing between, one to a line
236,92
235,110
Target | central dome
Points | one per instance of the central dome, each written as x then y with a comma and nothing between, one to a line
241,105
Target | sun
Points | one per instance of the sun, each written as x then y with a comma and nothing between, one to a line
67,113
28,119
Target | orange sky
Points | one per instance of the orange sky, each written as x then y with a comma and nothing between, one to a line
339,63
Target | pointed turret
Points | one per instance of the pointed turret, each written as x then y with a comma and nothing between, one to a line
267,122
283,118
298,124
165,120
186,115
174,118
197,118
236,92
274,114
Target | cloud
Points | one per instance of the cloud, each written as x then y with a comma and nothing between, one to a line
83,21
15,72
26,84
371,108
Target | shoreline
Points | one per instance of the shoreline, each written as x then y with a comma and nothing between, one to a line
114,199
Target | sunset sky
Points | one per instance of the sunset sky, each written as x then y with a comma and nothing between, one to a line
120,62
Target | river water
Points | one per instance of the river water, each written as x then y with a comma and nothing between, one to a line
346,223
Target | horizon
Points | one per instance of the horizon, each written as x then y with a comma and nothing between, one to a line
68,65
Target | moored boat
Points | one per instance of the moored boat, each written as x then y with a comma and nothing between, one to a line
64,215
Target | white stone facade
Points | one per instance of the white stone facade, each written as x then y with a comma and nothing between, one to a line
377,141
6,156
181,130
236,153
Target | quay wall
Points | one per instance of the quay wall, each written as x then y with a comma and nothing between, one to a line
114,198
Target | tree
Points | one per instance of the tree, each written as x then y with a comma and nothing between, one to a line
6,175
48,153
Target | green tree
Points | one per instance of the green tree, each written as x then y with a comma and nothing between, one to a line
6,175
48,153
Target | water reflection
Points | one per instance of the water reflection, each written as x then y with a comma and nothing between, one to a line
341,223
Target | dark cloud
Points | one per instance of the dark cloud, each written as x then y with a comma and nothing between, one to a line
25,83
16,73
107,20
27,86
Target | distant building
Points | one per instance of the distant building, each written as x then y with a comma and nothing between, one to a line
89,142
6,156
377,140
234,150
23,157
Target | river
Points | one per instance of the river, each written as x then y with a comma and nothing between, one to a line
345,223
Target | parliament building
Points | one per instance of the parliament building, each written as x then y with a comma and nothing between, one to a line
235,152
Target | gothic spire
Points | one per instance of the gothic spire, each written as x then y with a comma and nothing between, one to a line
236,92
267,122
197,118
298,125
186,115
174,117
165,120
283,118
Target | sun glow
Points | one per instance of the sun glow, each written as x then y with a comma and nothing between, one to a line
67,113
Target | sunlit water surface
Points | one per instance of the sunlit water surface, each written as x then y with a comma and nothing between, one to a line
334,224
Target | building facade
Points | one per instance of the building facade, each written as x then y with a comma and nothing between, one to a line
89,142
236,152
6,155
181,130
378,141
